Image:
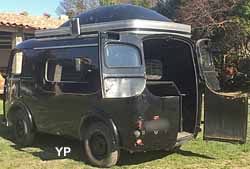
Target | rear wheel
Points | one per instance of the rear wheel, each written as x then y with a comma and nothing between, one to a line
23,129
98,144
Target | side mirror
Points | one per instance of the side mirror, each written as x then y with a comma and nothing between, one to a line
17,63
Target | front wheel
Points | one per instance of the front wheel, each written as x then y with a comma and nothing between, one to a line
23,129
98,144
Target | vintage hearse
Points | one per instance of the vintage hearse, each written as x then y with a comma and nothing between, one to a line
120,77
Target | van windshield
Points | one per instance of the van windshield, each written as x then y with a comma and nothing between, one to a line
122,55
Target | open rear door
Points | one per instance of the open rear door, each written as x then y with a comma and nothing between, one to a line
122,65
225,114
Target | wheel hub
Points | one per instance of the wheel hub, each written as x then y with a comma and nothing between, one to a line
98,145
20,128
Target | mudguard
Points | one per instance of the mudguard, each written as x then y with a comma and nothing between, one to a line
92,117
18,105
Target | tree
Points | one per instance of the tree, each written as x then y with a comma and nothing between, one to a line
168,8
241,17
226,22
109,2
206,13
143,3
72,8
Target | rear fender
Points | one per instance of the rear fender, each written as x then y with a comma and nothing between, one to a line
94,117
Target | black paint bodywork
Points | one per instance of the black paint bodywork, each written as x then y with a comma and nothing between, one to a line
65,113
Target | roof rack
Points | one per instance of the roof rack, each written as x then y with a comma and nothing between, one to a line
123,25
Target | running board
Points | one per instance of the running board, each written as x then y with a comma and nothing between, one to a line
183,137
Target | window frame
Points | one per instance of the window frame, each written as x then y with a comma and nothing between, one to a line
58,58
50,81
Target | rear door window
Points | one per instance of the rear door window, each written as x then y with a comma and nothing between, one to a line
122,55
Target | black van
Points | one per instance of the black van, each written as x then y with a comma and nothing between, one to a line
119,77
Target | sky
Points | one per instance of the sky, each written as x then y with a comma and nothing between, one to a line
33,7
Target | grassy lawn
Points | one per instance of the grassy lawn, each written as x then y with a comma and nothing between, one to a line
195,154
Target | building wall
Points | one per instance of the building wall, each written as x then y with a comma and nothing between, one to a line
8,41
4,58
5,48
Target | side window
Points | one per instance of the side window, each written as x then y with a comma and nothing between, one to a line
73,70
27,64
16,67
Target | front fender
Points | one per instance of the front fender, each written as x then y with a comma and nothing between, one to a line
15,106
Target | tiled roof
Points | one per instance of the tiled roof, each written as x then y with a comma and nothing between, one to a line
29,22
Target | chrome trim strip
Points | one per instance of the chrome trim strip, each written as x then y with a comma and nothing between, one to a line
129,75
67,46
136,24
156,32
69,37
125,24
53,32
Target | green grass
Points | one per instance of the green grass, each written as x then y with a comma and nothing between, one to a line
195,154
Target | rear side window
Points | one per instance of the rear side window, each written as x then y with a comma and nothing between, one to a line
73,70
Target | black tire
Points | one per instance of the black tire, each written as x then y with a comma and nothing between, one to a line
23,128
98,143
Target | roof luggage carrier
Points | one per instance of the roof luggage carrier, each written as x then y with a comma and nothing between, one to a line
120,18
134,25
